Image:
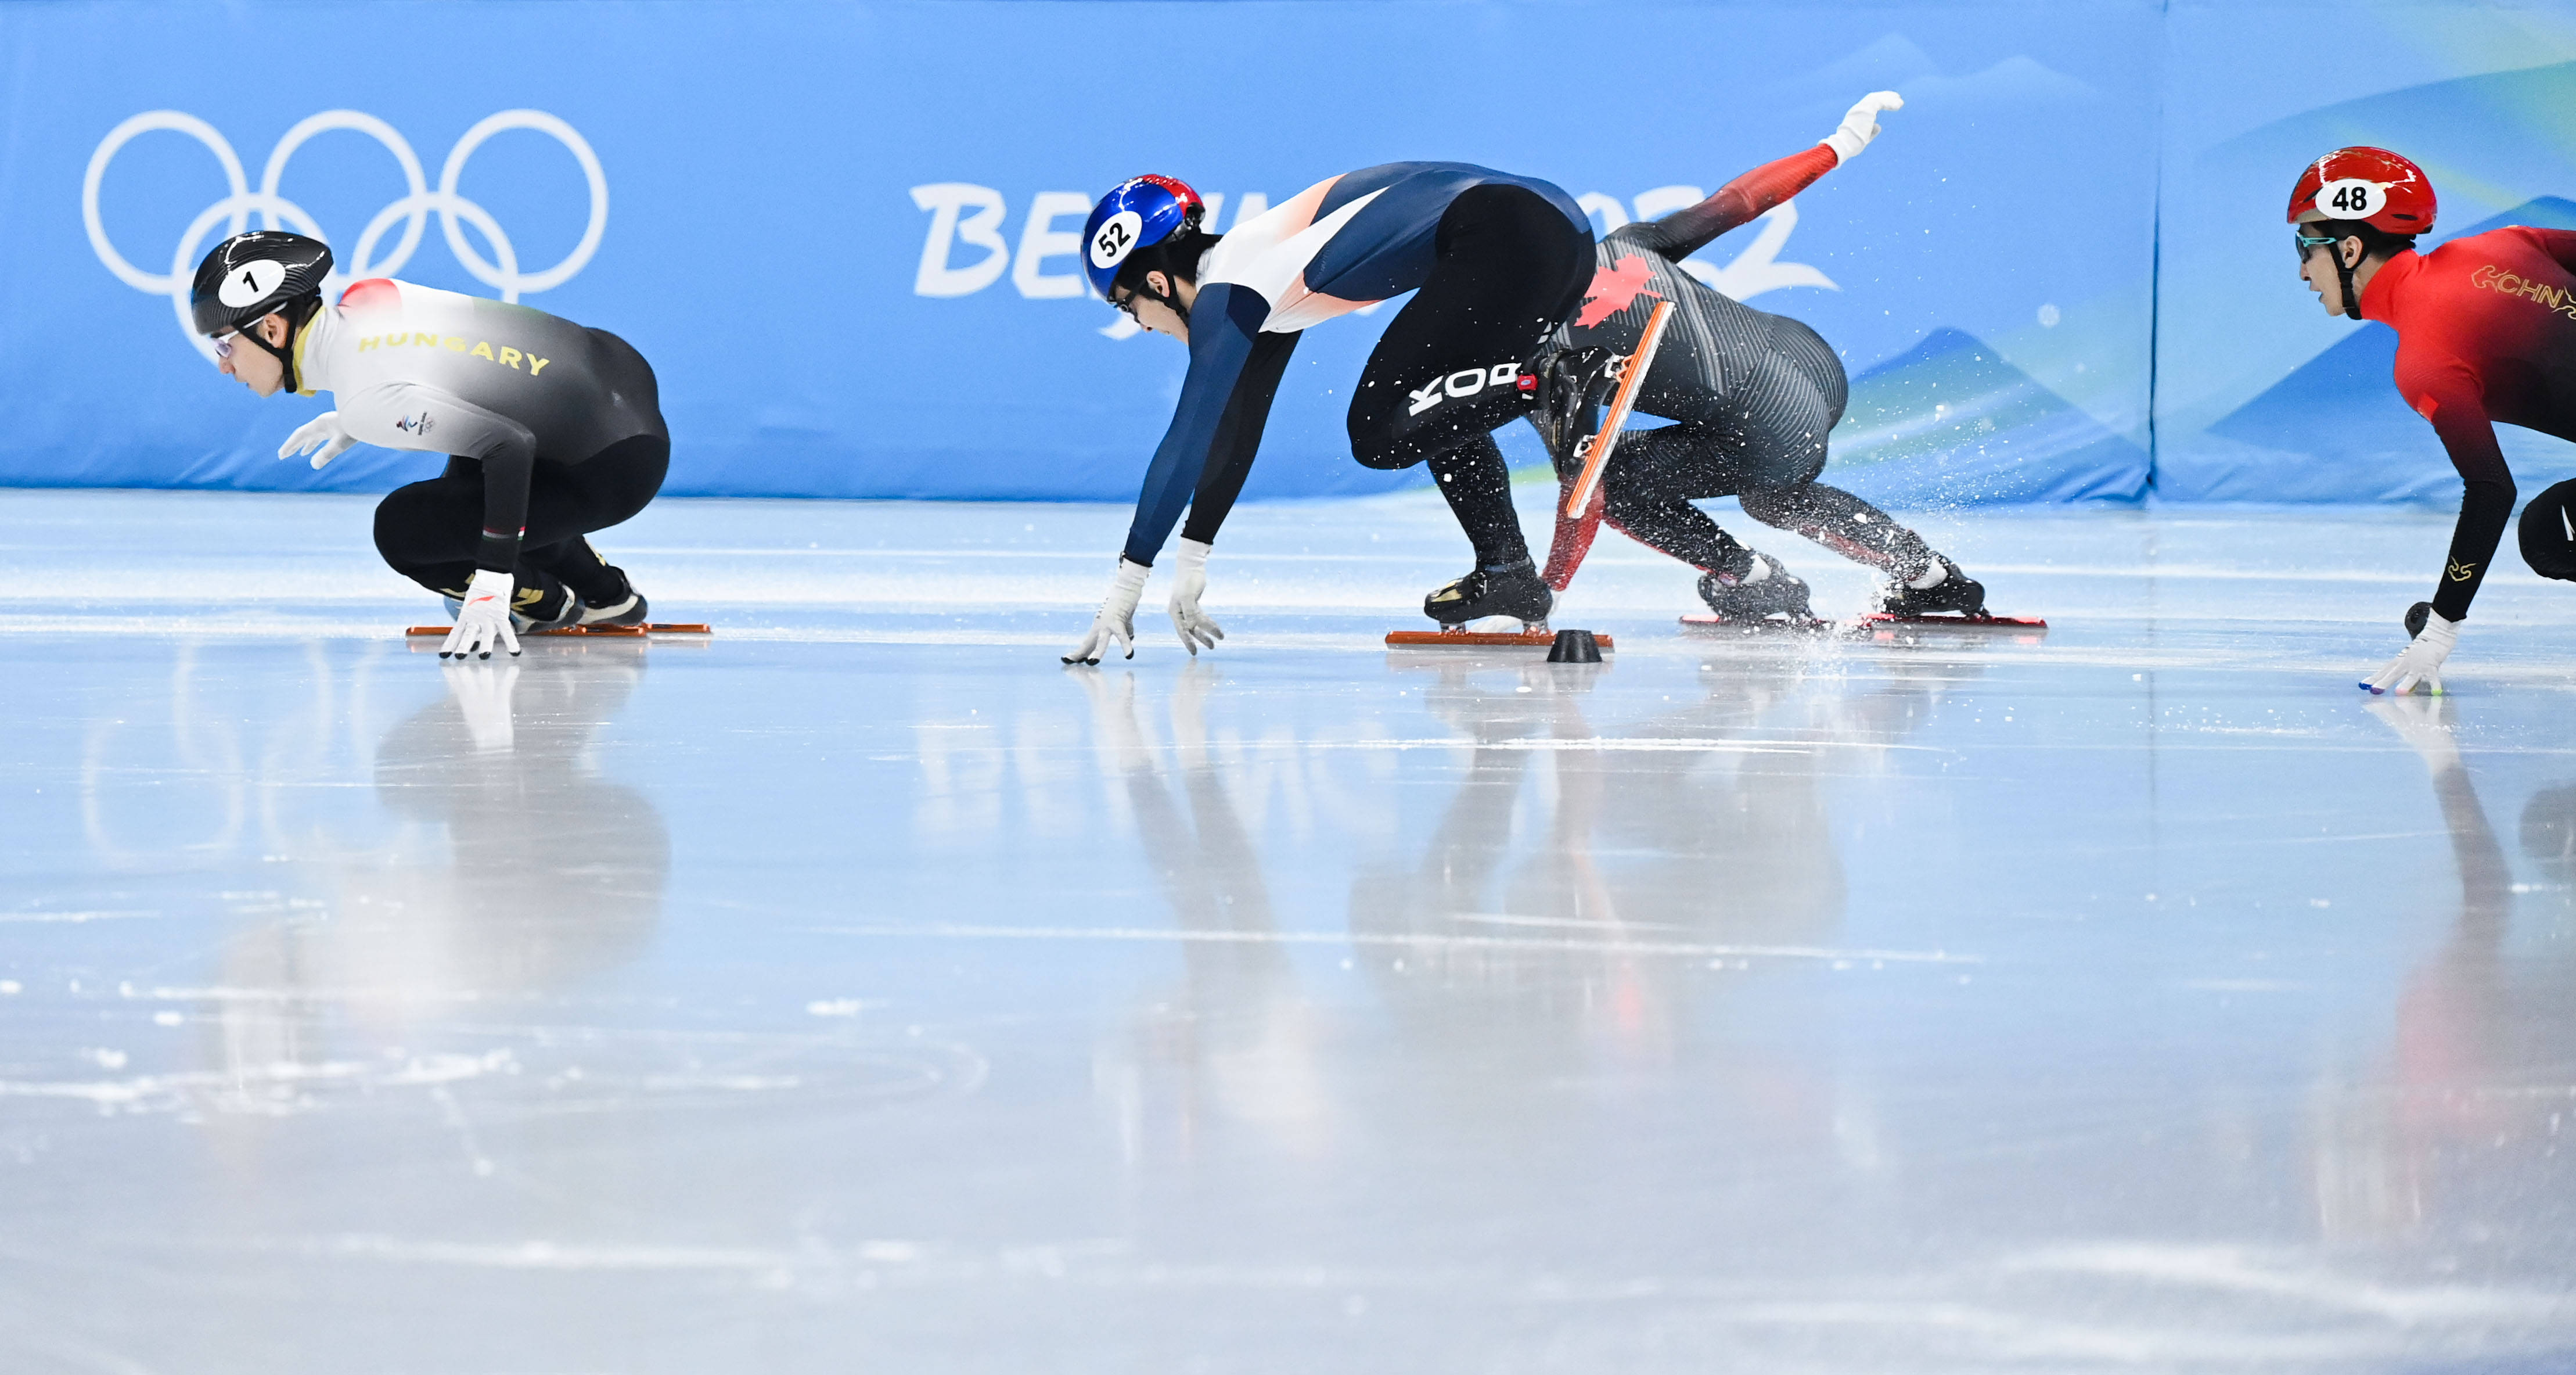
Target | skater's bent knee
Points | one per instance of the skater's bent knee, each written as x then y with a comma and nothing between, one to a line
1384,455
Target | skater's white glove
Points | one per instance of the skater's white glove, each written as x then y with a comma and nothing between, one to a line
1116,622
1189,583
1861,124
322,432
484,621
2421,660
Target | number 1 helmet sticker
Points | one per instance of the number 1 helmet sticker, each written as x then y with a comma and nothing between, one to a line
251,282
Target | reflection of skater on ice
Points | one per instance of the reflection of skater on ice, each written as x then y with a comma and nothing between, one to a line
2388,1157
1560,853
551,870
1238,1039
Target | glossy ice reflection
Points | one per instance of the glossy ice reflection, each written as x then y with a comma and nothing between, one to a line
861,988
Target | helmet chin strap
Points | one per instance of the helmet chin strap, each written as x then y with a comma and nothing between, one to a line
2343,272
1171,299
297,314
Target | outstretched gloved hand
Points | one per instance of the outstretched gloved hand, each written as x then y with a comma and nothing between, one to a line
1860,125
323,432
484,620
1116,621
2420,661
1189,583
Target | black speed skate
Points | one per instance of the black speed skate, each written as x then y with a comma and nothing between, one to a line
1956,594
1517,592
1739,599
525,618
628,608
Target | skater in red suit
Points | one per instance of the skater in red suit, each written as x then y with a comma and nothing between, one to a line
2486,332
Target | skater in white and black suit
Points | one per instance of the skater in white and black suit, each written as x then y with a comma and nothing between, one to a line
1754,394
552,430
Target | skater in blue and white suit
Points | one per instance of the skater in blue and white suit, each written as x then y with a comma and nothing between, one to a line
1496,262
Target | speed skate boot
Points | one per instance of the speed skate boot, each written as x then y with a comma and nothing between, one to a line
534,608
626,607
547,606
1567,387
1952,593
1766,589
1516,591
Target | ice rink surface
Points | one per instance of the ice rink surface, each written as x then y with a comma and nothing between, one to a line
862,990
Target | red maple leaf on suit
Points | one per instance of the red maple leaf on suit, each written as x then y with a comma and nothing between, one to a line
1614,289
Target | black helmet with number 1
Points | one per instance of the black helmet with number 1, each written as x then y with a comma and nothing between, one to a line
255,274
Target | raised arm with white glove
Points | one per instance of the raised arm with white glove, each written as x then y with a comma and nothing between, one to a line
322,431
2420,661
1860,124
1116,620
1189,583
484,620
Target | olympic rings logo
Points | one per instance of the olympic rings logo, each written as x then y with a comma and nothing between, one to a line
412,212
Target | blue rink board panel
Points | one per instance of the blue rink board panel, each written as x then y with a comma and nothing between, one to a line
859,988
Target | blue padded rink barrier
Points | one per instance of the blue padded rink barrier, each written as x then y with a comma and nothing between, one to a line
860,989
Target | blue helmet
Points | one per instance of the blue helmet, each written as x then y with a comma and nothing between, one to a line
1138,211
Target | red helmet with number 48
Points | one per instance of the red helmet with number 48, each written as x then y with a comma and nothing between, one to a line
2372,185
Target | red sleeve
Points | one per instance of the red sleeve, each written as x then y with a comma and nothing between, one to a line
1573,537
2447,392
1748,197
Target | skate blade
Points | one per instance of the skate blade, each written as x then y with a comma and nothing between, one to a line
1954,621
649,628
1881,628
1478,639
1720,625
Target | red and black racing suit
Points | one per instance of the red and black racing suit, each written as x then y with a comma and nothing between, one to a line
1755,395
2486,332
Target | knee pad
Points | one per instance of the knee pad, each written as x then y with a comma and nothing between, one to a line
2546,544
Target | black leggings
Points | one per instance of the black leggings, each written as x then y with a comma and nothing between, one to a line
1763,444
1510,267
429,531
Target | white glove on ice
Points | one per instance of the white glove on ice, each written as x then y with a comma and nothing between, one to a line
1861,124
322,431
484,620
1117,619
1189,582
2420,661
